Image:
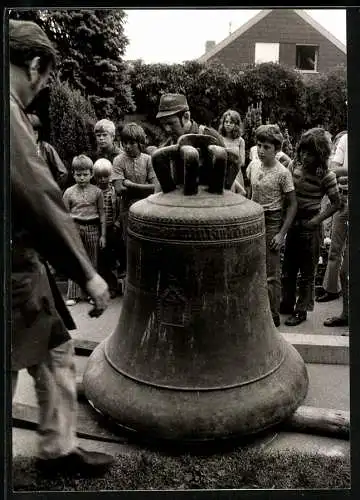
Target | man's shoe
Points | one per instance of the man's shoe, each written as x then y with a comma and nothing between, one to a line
276,319
327,297
336,321
80,460
296,319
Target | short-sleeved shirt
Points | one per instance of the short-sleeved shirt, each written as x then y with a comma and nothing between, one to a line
269,184
310,189
341,153
139,169
83,203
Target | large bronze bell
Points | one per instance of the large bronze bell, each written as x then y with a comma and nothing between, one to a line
195,355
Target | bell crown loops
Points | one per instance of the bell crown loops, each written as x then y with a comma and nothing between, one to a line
195,160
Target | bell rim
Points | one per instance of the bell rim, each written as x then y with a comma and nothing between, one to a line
195,388
206,416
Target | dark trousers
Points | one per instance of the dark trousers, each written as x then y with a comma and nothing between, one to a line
109,255
302,250
273,223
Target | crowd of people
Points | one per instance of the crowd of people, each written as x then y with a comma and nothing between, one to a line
298,194
291,191
81,230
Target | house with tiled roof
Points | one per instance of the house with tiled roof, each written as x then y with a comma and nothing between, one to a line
290,37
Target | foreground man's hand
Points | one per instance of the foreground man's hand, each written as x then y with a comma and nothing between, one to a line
98,290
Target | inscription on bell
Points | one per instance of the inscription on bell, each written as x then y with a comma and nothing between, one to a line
173,309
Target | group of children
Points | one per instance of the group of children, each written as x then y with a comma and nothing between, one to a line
100,199
290,191
292,201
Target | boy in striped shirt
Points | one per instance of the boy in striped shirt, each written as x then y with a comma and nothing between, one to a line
312,180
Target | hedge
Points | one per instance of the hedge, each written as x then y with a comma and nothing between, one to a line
265,93
72,120
295,102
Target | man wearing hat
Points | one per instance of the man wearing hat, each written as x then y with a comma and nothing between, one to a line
174,116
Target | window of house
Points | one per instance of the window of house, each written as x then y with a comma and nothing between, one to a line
266,52
307,57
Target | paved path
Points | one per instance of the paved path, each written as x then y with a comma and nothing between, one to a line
97,329
329,384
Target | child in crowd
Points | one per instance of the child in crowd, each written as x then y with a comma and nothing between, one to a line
49,154
85,203
133,174
280,155
230,130
312,180
272,187
111,251
105,140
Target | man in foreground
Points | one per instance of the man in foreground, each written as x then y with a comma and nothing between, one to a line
42,230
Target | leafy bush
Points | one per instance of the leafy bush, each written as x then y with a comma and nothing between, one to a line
208,88
287,98
280,90
211,90
324,99
72,120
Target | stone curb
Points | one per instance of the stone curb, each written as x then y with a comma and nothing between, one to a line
323,349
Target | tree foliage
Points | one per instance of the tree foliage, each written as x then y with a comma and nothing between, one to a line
286,97
90,43
72,121
280,91
213,89
325,99
208,88
149,81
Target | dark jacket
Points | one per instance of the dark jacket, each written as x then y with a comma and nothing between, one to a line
42,230
57,168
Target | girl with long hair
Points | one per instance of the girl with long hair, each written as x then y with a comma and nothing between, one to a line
230,129
312,180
